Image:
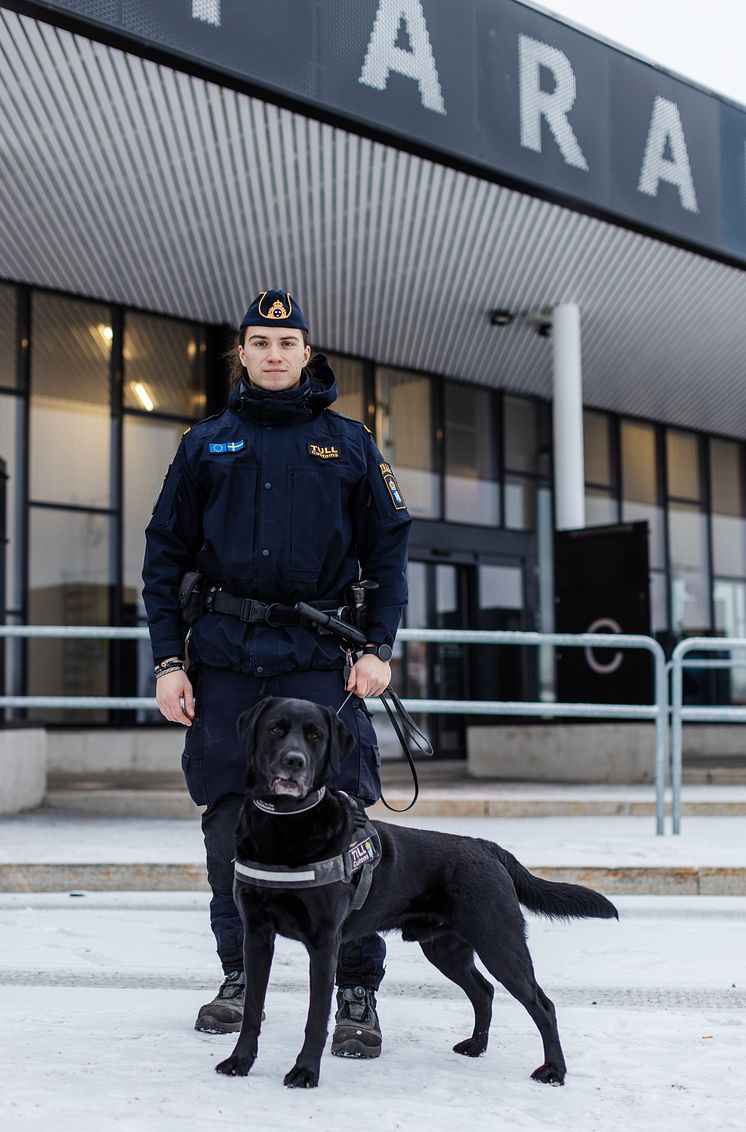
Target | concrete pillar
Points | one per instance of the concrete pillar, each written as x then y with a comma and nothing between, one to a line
569,475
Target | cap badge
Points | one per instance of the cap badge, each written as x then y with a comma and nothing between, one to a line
278,309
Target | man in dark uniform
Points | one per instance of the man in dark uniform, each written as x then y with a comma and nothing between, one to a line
277,499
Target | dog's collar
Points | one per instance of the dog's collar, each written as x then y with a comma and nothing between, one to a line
270,808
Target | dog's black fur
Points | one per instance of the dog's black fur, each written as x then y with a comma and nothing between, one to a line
454,895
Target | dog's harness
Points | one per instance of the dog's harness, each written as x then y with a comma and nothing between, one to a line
354,865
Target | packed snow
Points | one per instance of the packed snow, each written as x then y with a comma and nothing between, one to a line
98,994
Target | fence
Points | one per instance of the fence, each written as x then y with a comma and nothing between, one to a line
679,713
656,712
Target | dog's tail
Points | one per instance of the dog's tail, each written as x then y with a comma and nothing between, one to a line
553,898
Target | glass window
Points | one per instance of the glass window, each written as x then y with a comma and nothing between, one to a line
7,335
149,447
10,452
690,586
349,375
521,435
70,418
640,485
405,435
597,449
682,465
471,480
164,365
600,507
69,584
730,621
658,602
728,525
520,503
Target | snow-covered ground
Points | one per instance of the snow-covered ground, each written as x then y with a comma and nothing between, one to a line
98,995
48,836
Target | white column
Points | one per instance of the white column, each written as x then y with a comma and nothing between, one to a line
569,475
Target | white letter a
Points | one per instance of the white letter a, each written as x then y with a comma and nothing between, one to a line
383,55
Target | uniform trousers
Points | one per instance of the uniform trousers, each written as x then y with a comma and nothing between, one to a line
215,770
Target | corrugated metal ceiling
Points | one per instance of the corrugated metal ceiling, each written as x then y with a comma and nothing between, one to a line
129,181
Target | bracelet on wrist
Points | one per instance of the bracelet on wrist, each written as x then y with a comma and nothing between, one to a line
168,666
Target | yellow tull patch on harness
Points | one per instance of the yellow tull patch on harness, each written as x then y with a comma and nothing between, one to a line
393,487
324,451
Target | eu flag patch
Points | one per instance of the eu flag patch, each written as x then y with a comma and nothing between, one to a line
229,446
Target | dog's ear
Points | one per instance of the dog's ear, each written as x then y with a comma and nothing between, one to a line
246,726
341,742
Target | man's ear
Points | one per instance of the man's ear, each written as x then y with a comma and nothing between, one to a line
341,742
246,726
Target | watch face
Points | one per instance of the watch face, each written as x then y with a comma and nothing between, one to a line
385,652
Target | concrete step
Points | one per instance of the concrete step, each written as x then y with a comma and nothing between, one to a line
444,791
663,880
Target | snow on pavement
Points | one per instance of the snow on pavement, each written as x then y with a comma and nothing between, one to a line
98,995
46,836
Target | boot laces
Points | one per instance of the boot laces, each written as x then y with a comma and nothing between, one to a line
233,986
359,1003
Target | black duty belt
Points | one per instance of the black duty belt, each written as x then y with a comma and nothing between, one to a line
252,611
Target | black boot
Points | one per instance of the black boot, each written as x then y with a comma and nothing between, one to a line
357,1032
225,1013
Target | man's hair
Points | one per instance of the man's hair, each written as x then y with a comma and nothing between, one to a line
236,372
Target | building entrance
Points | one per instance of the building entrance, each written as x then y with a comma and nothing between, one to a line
486,592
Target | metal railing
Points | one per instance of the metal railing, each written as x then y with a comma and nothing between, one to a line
656,712
680,713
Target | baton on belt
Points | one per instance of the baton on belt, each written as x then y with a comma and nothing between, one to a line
333,624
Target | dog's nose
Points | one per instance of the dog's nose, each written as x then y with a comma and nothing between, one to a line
294,760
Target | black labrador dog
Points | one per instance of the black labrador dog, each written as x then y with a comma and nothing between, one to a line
305,856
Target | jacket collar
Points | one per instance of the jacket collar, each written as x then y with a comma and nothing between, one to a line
317,390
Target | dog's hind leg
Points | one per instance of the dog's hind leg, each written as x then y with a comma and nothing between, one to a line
452,955
501,945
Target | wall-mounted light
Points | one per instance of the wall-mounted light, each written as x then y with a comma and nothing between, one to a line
501,317
143,396
106,332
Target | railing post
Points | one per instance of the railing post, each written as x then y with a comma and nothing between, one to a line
661,740
677,696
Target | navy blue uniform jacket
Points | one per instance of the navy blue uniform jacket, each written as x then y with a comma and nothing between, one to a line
282,499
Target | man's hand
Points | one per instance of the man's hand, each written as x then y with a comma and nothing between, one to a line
369,676
168,690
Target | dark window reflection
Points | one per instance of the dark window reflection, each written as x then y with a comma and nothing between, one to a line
164,366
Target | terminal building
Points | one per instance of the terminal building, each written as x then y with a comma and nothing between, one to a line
522,248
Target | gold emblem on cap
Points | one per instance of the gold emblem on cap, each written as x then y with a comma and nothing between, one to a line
277,310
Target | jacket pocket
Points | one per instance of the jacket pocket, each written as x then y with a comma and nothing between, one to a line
230,515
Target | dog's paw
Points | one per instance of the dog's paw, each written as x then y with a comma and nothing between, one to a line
235,1066
301,1078
549,1075
471,1047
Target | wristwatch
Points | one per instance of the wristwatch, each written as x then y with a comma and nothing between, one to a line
383,652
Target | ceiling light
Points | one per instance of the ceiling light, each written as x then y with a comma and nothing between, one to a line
501,317
143,396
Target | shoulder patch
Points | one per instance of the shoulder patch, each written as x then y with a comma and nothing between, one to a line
392,486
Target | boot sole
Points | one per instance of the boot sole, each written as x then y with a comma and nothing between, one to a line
208,1025
352,1048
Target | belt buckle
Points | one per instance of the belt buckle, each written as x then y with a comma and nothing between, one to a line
268,612
246,609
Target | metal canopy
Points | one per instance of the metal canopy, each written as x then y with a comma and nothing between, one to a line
128,181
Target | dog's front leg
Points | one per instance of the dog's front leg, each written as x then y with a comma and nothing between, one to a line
258,949
322,965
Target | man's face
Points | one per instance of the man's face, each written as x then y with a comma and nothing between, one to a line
273,356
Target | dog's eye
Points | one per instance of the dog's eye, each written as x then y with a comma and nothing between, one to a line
278,729
312,736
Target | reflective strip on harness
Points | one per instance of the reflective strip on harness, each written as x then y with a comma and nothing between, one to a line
274,877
